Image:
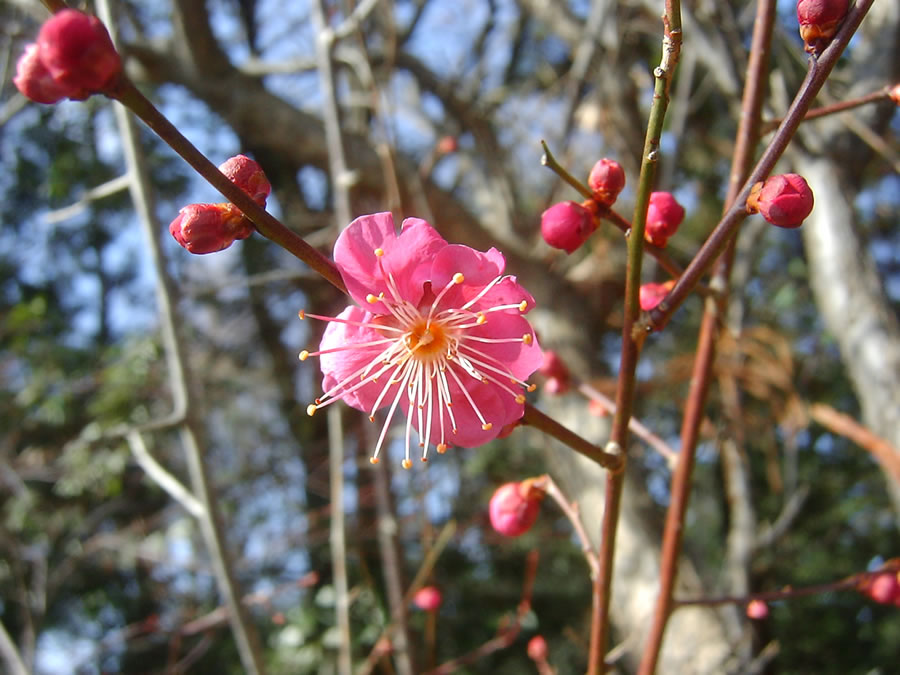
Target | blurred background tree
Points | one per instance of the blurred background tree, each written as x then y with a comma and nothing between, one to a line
443,105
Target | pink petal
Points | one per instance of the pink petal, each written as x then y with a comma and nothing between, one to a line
340,365
522,360
354,254
407,257
478,269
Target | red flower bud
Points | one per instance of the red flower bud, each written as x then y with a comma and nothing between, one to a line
78,53
428,599
883,587
757,609
784,200
249,176
446,145
537,648
207,228
819,21
650,295
34,80
514,507
558,376
567,225
606,180
664,215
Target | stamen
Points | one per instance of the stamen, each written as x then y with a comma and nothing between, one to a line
379,252
373,460
406,464
301,314
441,448
304,355
311,409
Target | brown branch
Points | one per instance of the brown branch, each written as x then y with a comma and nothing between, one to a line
844,425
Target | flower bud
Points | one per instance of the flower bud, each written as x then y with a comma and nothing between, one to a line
207,228
249,176
819,21
558,376
78,53
664,215
757,609
784,200
446,145
35,82
514,507
894,93
650,295
606,180
567,225
428,599
537,648
883,587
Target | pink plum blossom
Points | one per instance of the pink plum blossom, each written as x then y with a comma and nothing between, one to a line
437,331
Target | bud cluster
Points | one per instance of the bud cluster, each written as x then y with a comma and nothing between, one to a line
207,228
73,57
567,225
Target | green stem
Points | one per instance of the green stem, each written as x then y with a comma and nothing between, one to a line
632,340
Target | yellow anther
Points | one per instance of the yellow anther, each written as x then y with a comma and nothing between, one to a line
441,448
304,355
527,338
520,399
482,319
487,426
311,409
406,464
523,306
379,252
373,460
371,299
371,418
458,278
302,314
531,387
424,459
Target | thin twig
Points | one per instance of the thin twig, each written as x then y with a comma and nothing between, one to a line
337,538
190,432
11,656
634,424
747,135
819,70
882,94
171,485
507,634
631,340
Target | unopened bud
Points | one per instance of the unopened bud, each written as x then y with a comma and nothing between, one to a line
35,81
514,507
882,587
556,372
567,225
207,228
446,145
249,176
537,648
606,181
784,200
428,599
819,20
757,609
664,215
651,294
77,51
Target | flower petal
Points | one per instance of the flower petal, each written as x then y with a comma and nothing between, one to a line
340,365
